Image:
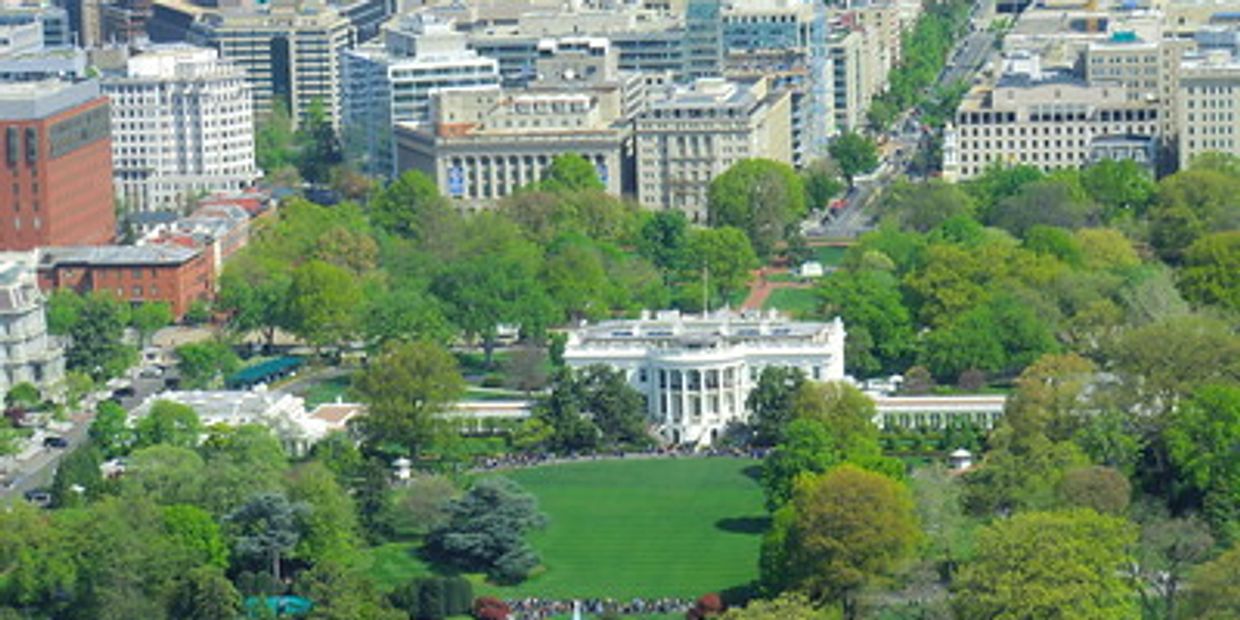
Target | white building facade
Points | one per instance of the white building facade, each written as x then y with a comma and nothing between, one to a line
696,372
393,81
182,126
27,353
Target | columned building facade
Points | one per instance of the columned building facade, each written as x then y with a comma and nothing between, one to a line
695,372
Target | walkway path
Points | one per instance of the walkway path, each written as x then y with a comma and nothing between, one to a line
761,288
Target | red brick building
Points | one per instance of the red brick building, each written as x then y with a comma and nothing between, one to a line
171,273
55,165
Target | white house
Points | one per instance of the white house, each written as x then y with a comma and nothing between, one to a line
696,371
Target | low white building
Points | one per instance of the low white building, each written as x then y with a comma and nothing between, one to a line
696,371
284,414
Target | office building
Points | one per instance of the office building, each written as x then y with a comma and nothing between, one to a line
124,21
85,22
1049,120
695,372
136,274
689,134
53,20
486,143
182,126
57,166
392,82
291,53
1208,106
848,102
29,353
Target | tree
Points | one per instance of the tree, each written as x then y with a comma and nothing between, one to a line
1049,565
340,593
1211,272
148,318
77,479
1102,489
1122,187
1168,551
402,311
64,310
252,292
770,404
165,474
204,593
321,303
196,531
941,514
1162,362
319,146
526,369
762,197
612,404
1105,248
1050,202
273,142
24,395
723,256
425,505
558,421
832,424
411,206
855,154
96,346
169,423
664,239
1212,592
1190,204
110,431
486,529
1203,441
266,527
788,606
330,523
922,207
842,531
206,364
406,389
569,172
880,327
821,179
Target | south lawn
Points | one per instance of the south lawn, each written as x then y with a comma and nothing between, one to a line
632,528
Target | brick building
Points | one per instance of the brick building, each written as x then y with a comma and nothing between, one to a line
56,167
171,273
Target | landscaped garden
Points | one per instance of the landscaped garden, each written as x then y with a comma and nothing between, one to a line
629,528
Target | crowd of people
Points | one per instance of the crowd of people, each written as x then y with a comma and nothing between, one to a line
523,460
540,608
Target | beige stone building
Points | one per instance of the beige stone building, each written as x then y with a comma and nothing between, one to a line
485,143
1208,106
690,134
1049,120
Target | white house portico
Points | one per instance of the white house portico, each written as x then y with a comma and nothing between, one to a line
696,372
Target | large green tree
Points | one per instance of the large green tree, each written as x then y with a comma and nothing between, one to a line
842,530
1211,272
855,154
762,197
880,327
406,389
321,307
486,529
1213,592
1203,441
1049,565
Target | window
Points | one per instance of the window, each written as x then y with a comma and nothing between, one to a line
137,291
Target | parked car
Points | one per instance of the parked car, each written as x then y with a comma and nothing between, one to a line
55,442
39,497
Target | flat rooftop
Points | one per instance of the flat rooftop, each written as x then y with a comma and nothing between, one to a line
43,98
116,255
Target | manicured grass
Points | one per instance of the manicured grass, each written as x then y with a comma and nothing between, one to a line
646,528
829,255
327,391
795,301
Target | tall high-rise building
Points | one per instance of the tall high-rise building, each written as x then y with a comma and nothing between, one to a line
56,171
290,53
392,82
703,39
182,125
86,21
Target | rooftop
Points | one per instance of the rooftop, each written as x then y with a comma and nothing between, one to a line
43,98
117,255
671,328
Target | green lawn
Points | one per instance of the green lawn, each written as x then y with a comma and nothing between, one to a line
829,255
327,391
795,301
631,528
644,528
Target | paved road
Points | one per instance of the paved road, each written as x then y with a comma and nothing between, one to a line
39,470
